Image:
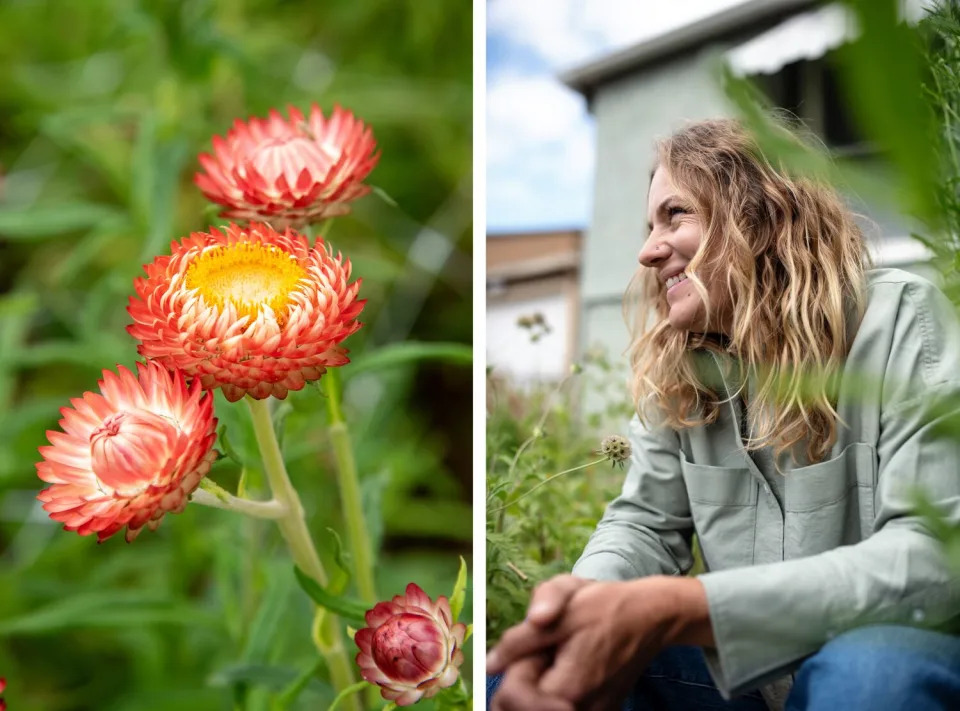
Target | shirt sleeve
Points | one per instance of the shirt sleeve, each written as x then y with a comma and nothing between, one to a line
766,619
647,529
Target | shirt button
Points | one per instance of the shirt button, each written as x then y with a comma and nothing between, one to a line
766,488
918,615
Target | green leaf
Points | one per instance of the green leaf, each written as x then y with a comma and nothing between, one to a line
265,675
279,418
372,487
411,352
459,591
343,606
383,195
44,221
155,176
225,445
297,686
339,580
884,92
264,628
104,609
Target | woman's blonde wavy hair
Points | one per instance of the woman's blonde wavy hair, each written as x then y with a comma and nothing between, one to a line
792,260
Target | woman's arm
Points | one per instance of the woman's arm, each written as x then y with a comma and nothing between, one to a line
647,529
768,618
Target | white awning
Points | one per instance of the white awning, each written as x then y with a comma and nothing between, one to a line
809,35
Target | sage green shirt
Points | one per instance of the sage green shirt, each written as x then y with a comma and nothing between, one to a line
841,546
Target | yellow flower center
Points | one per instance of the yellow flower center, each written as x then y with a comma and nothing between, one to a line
249,275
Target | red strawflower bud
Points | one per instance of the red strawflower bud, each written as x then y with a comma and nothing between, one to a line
411,649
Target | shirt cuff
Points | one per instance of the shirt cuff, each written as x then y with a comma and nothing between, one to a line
739,663
606,565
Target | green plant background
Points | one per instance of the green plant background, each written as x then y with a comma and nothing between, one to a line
104,105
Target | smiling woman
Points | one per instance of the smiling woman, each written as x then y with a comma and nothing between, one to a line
788,405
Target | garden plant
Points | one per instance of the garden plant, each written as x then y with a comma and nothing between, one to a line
219,270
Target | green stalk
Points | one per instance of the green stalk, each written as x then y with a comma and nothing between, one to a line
293,527
547,481
357,532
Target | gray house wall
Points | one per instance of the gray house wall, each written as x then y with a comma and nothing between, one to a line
631,113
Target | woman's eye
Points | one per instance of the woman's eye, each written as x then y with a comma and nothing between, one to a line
675,210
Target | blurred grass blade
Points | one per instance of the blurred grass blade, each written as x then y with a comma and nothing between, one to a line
269,676
105,609
383,195
293,691
345,607
263,630
459,591
411,352
155,177
881,73
44,221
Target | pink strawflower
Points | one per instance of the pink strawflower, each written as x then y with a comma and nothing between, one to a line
289,172
129,455
411,649
249,309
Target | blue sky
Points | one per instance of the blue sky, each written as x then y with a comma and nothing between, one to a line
539,134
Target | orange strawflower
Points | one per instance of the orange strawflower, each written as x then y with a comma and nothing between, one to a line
249,309
289,172
129,455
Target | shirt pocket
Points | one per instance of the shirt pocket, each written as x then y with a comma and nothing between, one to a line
831,503
723,504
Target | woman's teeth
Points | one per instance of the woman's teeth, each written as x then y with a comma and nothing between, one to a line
674,280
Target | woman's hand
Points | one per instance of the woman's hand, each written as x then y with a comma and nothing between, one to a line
602,635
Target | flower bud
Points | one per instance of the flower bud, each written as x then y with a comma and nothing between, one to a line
410,649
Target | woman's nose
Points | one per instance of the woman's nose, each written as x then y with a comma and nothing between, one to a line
653,252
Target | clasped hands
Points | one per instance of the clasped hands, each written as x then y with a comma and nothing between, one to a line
585,643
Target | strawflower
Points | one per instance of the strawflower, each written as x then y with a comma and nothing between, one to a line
410,648
250,310
128,455
289,172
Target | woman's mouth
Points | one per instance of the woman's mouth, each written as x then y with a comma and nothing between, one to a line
675,281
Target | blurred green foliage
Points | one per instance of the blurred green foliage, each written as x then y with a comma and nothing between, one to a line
533,434
907,103
104,105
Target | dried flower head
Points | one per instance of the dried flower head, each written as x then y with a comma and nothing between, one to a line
411,649
249,309
289,172
616,448
129,455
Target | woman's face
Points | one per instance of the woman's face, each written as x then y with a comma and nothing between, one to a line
675,235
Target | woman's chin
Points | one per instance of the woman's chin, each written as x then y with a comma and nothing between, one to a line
680,321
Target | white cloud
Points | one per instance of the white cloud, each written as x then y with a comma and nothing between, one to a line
539,153
566,32
532,108
540,146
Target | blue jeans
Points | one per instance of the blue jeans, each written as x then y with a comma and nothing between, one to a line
882,668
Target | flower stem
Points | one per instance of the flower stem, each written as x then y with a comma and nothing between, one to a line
217,498
546,481
350,499
293,526
346,692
